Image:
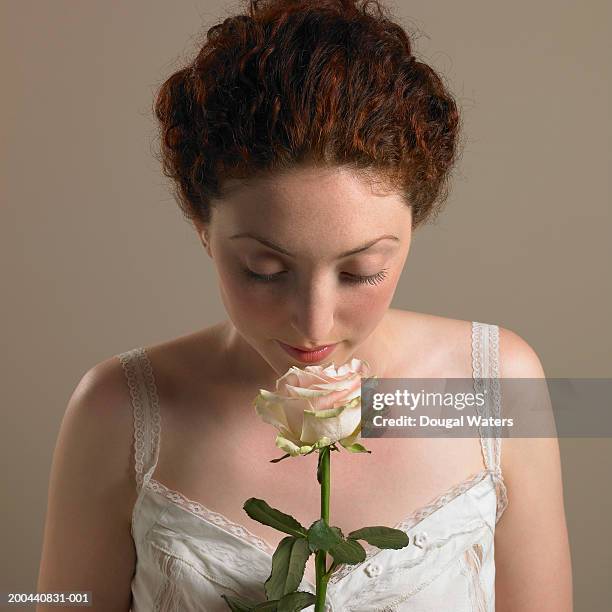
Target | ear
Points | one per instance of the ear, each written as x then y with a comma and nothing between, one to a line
203,234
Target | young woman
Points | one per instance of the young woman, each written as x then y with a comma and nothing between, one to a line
306,143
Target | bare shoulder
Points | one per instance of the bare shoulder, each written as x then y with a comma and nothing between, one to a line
100,424
448,340
535,517
517,358
92,491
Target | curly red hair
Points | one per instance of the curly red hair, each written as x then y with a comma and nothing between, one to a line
307,82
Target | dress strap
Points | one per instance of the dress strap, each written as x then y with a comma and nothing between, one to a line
485,366
145,405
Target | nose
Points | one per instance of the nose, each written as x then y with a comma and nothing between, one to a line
313,304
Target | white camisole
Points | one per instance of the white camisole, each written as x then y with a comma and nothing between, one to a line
188,555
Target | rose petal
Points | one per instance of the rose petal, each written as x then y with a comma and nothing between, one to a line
294,414
316,425
348,383
315,403
287,445
271,411
330,400
352,438
304,392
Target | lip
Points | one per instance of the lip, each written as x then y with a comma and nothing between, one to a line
306,356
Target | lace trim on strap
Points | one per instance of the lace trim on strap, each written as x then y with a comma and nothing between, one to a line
496,442
145,403
485,365
218,519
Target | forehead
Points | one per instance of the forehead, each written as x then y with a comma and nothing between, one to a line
311,202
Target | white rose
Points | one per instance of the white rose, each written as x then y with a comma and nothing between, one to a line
315,406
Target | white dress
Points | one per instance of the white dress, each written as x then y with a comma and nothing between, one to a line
188,555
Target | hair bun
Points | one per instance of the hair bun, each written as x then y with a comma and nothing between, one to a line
329,81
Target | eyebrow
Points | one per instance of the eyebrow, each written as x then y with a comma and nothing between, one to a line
280,249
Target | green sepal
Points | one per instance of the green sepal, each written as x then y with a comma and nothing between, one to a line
356,448
292,449
280,458
350,444
322,452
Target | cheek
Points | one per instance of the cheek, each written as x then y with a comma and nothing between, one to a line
244,302
366,307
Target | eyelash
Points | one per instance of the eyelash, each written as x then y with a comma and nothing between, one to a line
353,279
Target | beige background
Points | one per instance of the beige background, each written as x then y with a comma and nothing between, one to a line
97,259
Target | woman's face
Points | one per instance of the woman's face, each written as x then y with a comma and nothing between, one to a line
281,247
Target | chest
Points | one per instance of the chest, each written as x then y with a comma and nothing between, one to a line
221,456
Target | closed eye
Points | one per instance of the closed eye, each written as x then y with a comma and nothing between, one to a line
372,279
351,279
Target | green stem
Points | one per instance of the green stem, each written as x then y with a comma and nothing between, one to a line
322,575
